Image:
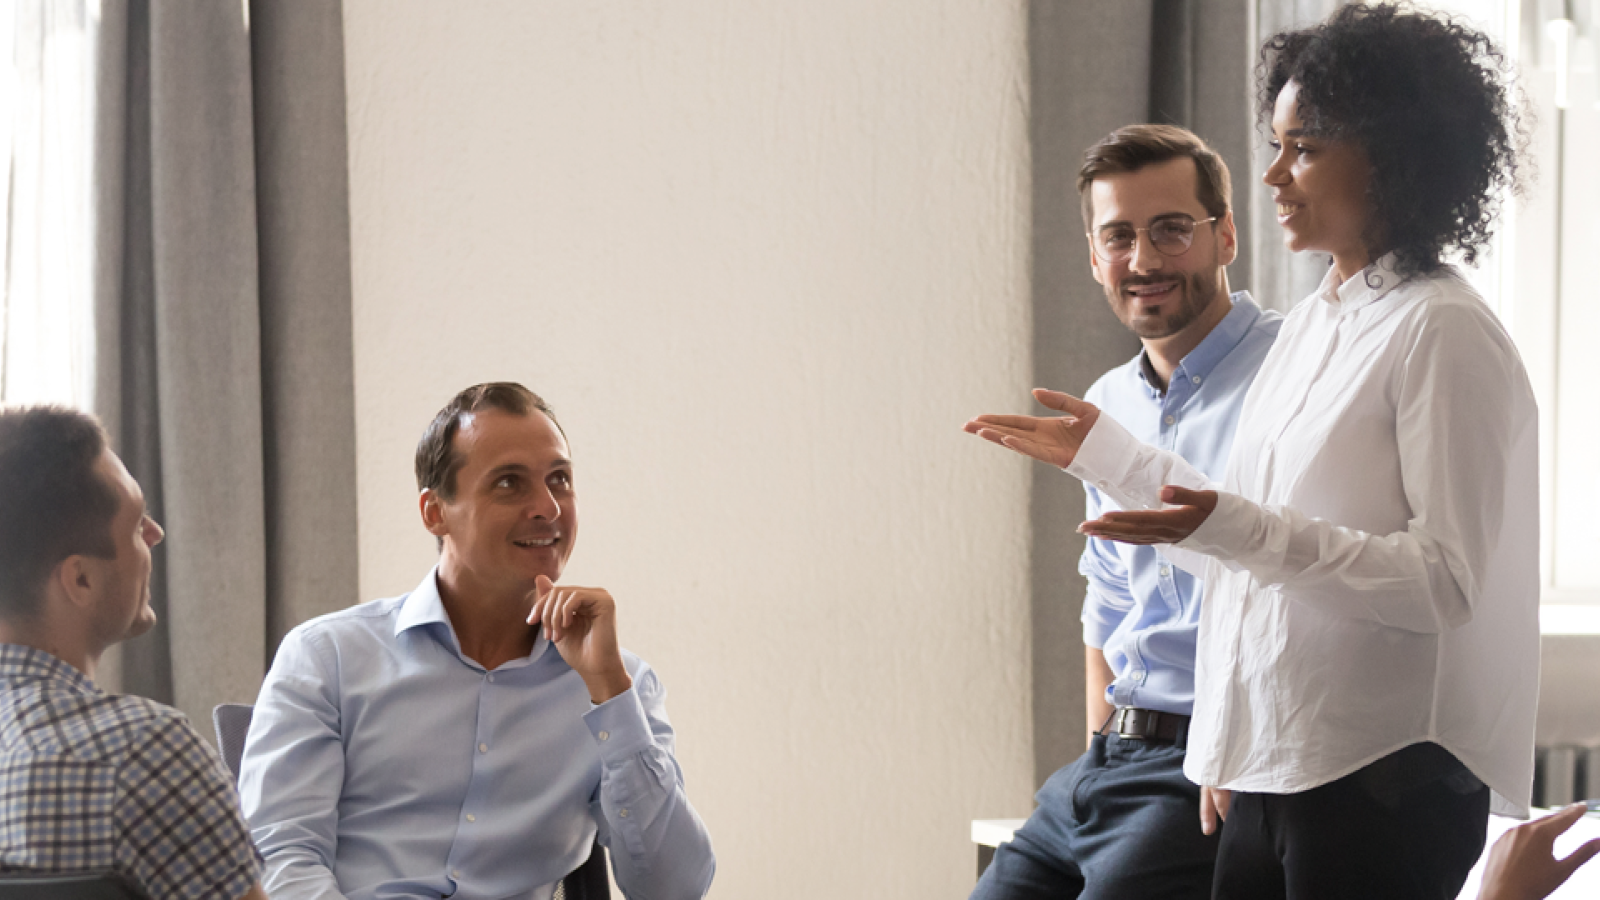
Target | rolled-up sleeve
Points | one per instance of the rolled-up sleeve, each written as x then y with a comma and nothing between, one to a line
1109,599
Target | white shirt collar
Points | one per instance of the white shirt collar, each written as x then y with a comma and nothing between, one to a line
1365,288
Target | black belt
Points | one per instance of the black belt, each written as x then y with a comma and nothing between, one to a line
1134,724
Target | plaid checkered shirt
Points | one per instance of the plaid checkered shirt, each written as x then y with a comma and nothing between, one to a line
90,780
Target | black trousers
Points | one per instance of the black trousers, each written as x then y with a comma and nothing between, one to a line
1410,825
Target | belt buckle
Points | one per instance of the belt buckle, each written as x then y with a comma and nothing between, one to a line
1123,715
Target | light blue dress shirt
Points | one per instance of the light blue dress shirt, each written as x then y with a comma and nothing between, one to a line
1141,610
383,763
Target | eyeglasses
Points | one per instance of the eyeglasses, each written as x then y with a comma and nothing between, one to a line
1171,235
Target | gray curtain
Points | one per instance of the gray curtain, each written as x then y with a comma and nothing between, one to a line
1078,92
223,327
1283,278
1200,78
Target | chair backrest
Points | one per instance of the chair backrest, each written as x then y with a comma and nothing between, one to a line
97,885
588,881
232,722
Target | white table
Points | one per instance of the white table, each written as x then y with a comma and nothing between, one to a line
989,834
1585,883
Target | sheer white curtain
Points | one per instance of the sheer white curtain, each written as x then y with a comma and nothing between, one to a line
174,255
47,341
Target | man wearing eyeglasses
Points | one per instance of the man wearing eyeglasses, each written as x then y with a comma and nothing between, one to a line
1123,821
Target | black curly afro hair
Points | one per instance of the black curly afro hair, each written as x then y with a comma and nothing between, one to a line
1428,99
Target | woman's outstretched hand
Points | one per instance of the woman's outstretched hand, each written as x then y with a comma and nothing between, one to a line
1051,439
1156,526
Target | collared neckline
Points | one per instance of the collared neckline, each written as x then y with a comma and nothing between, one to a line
423,607
1147,374
1227,334
21,664
1365,288
1212,349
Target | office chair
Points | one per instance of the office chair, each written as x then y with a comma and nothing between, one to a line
232,722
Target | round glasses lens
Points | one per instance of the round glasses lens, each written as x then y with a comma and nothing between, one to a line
1172,236
1115,246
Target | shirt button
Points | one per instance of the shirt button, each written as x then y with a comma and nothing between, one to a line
1166,571
1105,484
1170,419
604,735
483,748
455,873
491,676
623,813
471,817
1195,379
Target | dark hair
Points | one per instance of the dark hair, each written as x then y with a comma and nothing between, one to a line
1427,99
437,460
53,504
1132,147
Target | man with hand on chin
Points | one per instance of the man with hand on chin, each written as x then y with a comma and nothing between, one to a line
472,738
1123,821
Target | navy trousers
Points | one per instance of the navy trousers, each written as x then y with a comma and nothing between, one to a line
1121,822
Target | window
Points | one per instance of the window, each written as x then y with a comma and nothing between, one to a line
1537,280
46,214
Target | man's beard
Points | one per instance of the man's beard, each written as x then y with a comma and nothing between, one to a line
1198,290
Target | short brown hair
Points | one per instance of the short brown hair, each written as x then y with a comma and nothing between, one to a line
1132,147
53,504
437,460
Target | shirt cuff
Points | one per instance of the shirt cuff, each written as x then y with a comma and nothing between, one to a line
1097,627
619,726
1105,454
1225,533
1095,634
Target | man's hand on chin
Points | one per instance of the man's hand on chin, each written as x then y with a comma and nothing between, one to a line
582,623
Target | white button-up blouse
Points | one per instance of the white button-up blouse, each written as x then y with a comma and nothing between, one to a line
1372,565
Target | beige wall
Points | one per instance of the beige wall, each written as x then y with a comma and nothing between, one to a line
764,258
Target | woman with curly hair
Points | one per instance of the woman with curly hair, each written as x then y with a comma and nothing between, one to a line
1367,667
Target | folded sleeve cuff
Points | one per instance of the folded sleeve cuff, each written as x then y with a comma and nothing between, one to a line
1100,619
1225,534
1096,633
619,726
1106,452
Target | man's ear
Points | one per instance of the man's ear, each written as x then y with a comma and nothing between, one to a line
432,509
1088,228
1227,239
75,579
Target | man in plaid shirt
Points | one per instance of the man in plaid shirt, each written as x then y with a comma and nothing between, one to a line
90,780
